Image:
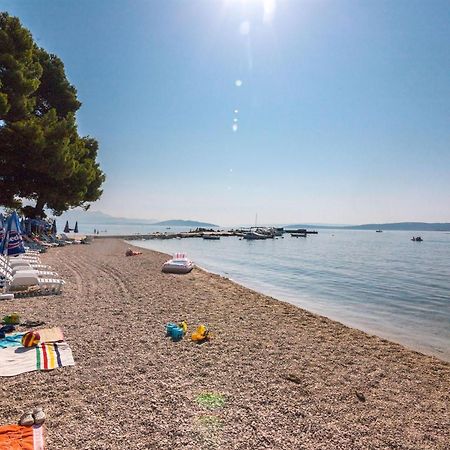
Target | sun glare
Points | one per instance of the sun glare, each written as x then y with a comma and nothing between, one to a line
268,6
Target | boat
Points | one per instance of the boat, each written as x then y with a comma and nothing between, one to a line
299,231
178,264
254,236
379,231
211,237
417,239
298,235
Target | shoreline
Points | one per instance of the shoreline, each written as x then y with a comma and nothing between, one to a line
290,378
405,340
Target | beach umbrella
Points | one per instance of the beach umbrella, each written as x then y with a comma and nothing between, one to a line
66,228
12,243
2,227
54,231
75,230
22,226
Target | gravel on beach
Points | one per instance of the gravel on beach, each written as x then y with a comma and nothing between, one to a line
273,376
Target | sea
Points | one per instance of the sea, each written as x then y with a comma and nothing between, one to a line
381,283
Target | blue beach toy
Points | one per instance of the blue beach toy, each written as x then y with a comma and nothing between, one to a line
169,327
177,334
174,331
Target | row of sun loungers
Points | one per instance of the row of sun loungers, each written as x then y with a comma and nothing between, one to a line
25,273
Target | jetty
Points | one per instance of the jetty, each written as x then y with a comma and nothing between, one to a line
206,233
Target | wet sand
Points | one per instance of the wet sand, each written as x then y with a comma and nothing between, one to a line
290,379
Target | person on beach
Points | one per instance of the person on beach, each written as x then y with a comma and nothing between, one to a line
130,252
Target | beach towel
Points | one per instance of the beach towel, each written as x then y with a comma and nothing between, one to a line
51,334
12,340
16,360
17,437
47,335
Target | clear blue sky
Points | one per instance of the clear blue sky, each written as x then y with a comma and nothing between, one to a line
344,107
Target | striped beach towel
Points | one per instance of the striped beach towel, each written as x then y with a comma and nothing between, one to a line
14,361
17,437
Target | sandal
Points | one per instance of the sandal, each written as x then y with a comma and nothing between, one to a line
39,415
7,329
32,323
26,419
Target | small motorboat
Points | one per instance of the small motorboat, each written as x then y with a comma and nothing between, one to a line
298,235
254,236
379,231
417,239
211,237
178,264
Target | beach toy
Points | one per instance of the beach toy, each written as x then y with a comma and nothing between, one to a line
174,331
200,334
183,326
177,334
12,319
169,327
31,339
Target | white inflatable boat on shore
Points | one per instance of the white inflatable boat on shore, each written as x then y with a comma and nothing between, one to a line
178,264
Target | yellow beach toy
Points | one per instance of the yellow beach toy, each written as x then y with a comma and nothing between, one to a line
200,334
183,325
11,319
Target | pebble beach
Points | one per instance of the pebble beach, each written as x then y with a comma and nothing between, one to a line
286,378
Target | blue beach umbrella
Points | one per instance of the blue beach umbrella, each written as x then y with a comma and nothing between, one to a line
22,226
75,230
54,230
66,228
12,243
2,227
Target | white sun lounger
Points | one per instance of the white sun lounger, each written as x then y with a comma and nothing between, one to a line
45,285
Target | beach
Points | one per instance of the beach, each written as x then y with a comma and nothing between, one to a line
289,379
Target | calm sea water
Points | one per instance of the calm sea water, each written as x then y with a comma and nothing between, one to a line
382,283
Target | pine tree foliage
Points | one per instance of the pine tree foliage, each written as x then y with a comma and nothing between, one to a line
42,156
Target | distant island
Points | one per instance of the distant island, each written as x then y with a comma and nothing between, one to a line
99,217
185,223
400,226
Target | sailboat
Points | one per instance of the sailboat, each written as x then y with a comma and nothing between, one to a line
253,235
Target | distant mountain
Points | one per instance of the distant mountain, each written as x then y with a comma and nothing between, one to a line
98,217
404,226
400,226
185,223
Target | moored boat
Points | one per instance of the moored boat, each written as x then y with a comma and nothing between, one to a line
211,237
254,236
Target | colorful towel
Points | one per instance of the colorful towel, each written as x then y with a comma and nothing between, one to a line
16,360
51,334
16,437
12,340
47,335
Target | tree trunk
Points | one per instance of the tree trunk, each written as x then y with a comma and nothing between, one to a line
39,209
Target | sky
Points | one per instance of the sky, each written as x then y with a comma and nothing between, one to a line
299,111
